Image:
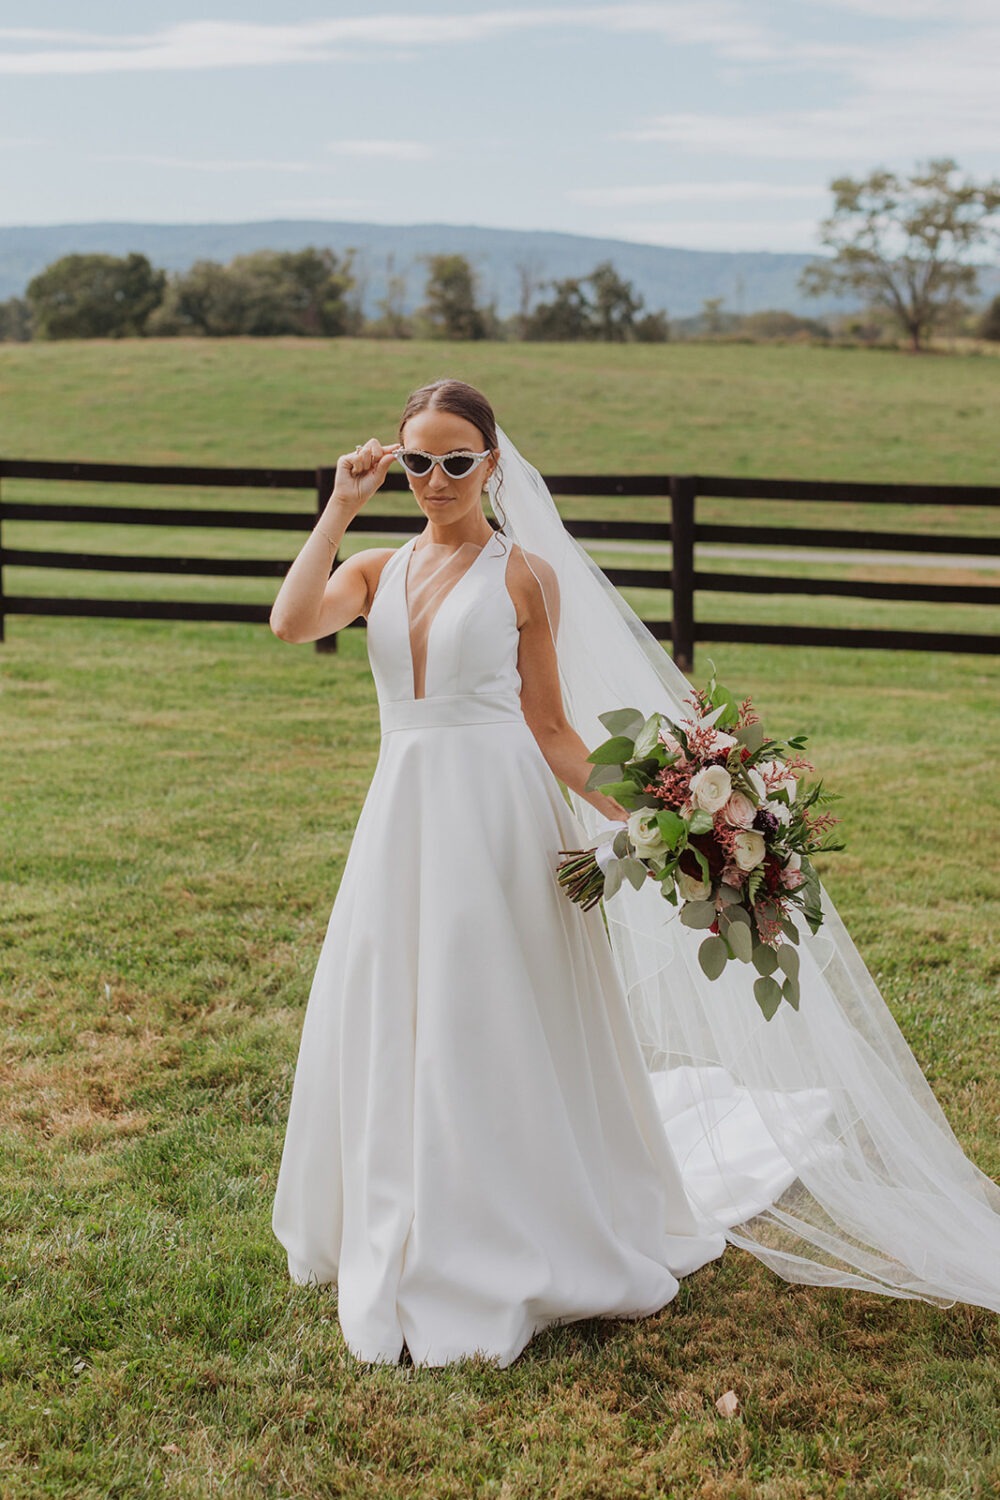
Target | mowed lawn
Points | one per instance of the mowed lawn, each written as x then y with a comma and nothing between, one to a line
793,411
177,803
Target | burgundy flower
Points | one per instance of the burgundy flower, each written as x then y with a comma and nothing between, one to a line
765,822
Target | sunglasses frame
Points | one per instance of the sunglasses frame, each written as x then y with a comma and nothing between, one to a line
442,459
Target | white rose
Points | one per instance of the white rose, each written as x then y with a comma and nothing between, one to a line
711,788
739,811
692,889
645,834
749,849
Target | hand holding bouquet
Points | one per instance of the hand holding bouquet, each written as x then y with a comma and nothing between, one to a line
721,820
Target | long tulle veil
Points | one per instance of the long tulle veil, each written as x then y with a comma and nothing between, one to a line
879,1193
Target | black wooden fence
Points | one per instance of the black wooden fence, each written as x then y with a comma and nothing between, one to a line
679,527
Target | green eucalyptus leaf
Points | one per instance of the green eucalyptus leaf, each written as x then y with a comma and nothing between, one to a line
612,879
613,752
729,895
621,844
698,914
634,871
765,960
790,990
790,930
618,789
751,736
721,697
738,914
713,955
788,960
768,996
623,721
740,940
672,827
602,776
648,737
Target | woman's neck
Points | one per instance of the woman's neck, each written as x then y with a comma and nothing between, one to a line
477,531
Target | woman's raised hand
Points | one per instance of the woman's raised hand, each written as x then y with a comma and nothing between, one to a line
360,474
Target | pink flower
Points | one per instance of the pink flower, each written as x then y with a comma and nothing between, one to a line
739,811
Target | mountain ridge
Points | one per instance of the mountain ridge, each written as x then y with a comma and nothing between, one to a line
678,280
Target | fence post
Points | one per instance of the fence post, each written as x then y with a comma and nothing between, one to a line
324,487
683,489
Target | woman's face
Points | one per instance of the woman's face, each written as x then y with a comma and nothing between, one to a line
442,499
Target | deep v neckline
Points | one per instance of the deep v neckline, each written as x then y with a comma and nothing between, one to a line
442,605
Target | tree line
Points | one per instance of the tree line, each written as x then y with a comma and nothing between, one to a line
900,244
312,293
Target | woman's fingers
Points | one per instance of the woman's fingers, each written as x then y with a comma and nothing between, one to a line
368,456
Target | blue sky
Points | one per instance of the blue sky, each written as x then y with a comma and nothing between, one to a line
714,124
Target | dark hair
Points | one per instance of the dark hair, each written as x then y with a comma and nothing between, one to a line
457,398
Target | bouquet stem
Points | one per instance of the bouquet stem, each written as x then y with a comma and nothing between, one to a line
581,877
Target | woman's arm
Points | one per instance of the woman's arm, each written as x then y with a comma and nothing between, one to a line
310,603
535,594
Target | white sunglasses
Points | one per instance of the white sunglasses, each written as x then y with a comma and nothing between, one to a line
457,464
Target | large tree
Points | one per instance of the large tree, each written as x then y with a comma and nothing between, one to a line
616,304
601,307
451,309
94,297
905,243
567,318
266,293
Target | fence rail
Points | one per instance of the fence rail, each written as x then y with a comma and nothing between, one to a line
679,527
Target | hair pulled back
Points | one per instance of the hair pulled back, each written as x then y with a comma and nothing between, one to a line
459,400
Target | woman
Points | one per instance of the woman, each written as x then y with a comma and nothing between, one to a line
486,1135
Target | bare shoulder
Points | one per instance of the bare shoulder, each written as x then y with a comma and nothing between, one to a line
531,581
368,565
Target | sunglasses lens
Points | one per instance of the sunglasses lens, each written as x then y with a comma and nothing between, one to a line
459,465
416,463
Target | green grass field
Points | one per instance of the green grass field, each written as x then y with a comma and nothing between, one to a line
177,803
732,409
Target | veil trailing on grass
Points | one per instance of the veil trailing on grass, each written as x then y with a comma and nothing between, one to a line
866,1183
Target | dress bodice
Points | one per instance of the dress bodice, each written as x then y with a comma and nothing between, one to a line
470,645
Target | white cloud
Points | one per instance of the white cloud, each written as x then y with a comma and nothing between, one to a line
945,11
900,99
739,191
206,164
383,150
230,44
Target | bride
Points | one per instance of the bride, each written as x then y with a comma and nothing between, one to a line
508,1112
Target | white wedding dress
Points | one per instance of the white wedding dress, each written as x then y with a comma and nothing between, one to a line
475,1148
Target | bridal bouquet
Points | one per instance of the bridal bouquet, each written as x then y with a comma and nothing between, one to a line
721,819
